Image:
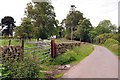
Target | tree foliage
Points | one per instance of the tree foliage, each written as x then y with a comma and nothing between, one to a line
83,30
113,28
72,20
43,17
25,30
26,68
109,42
119,33
60,31
105,26
113,44
92,35
10,23
100,39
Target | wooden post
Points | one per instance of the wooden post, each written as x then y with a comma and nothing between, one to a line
22,44
9,42
52,48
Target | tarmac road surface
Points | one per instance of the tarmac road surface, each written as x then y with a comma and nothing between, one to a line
101,63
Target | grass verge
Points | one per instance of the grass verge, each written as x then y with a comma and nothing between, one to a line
57,76
116,52
73,55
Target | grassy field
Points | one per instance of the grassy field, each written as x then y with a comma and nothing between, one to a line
5,42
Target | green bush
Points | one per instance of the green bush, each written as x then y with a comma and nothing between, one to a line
26,68
111,42
3,73
66,58
114,46
103,37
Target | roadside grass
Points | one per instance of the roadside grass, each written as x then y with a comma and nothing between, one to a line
57,76
116,52
72,56
41,75
45,69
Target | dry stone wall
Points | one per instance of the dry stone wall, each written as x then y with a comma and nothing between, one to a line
9,52
62,47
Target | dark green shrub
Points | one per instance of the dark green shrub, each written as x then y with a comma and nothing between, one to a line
114,46
73,55
3,73
26,68
110,42
65,58
103,37
62,59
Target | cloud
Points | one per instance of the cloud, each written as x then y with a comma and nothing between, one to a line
14,8
95,10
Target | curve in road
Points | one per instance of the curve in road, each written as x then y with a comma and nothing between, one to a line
102,63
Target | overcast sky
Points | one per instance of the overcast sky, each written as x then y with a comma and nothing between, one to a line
95,10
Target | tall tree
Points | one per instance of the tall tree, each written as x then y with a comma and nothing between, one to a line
72,20
10,23
25,30
104,26
113,28
43,15
83,30
61,31
92,35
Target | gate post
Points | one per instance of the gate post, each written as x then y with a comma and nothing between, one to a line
22,44
52,49
22,47
9,43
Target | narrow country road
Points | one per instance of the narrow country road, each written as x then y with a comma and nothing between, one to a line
102,63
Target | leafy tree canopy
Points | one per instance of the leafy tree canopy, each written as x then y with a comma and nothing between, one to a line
100,39
71,22
43,17
72,19
83,30
10,23
105,26
25,30
92,35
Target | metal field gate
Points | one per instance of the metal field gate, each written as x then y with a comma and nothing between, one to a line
41,49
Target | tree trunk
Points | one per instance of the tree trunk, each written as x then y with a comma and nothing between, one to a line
80,39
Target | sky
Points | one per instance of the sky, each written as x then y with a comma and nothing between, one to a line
95,10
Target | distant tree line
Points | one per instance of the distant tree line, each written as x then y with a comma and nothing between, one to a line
83,29
40,22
